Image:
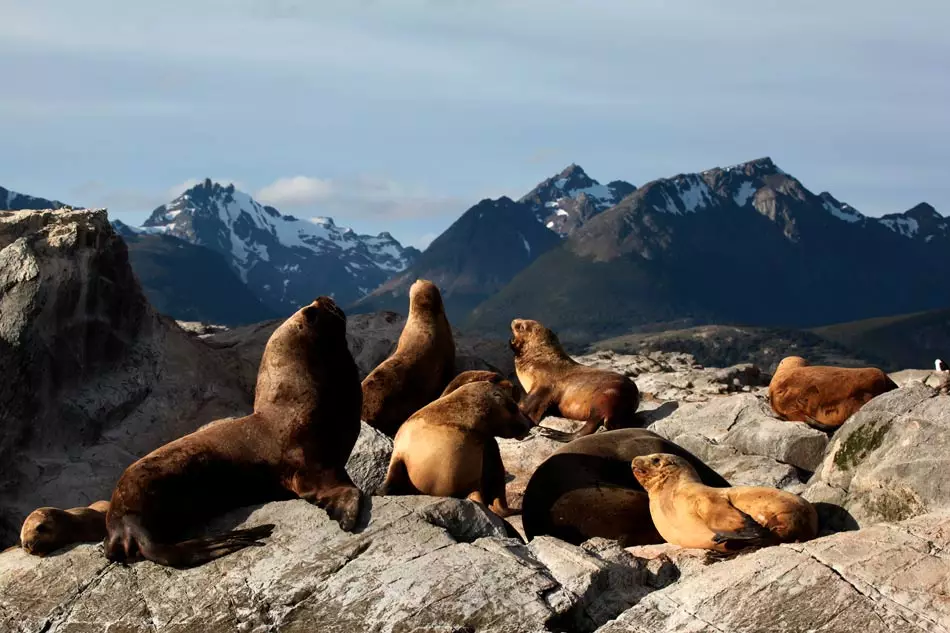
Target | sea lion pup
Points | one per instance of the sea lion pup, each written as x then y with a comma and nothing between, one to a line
48,529
448,448
556,383
296,442
420,368
478,375
586,489
823,397
690,514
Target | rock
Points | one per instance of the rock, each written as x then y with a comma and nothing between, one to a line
666,563
747,424
522,457
883,463
92,377
369,460
738,468
887,578
402,572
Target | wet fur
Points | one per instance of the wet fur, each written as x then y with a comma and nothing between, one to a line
823,397
295,444
556,384
420,368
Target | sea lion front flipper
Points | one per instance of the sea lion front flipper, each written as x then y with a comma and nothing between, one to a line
536,403
493,480
750,534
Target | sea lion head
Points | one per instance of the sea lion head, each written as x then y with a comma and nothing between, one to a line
425,296
528,335
43,530
791,362
510,422
323,315
656,469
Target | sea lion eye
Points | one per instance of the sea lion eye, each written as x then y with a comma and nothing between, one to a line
656,461
41,528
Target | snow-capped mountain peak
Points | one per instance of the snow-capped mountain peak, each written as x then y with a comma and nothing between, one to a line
840,210
13,201
284,259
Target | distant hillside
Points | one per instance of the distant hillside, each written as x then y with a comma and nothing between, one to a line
724,345
905,341
189,282
744,244
13,201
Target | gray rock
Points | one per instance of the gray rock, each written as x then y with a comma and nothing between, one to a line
522,457
369,460
738,468
747,424
888,578
403,572
887,462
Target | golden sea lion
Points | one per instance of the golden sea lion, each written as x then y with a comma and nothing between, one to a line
557,384
420,368
688,513
478,375
295,443
47,529
448,448
823,397
586,489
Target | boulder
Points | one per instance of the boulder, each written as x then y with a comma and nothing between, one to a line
887,462
740,469
369,461
887,578
747,424
420,564
92,377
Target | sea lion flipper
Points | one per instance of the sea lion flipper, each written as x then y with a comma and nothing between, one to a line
493,480
750,534
536,403
397,478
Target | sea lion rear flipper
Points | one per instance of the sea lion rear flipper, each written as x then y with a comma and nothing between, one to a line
201,550
751,534
397,479
493,480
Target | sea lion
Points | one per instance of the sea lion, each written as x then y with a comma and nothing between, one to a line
586,489
295,443
478,375
448,448
420,368
690,514
47,529
557,384
823,397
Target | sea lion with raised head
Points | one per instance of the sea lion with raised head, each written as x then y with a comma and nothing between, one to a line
823,397
586,489
688,513
420,368
448,448
48,529
295,443
556,384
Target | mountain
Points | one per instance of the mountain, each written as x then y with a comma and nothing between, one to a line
285,261
747,244
190,282
568,200
495,239
13,201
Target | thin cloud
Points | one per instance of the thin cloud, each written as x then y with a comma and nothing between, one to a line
296,191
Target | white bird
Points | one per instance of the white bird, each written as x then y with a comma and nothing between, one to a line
939,365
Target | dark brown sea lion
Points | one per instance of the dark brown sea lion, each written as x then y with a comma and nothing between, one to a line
47,529
586,489
688,513
448,448
420,368
556,384
824,397
296,442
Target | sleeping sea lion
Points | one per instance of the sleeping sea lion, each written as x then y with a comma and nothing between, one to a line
47,529
688,513
295,443
478,375
823,397
556,384
586,489
420,368
448,448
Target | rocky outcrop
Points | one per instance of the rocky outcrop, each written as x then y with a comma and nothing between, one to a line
887,462
888,578
92,376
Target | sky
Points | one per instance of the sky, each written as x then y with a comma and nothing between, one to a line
398,115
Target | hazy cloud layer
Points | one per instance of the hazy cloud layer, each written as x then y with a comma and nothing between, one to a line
300,100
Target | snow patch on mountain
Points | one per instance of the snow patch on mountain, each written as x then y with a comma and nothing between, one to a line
843,212
907,227
745,193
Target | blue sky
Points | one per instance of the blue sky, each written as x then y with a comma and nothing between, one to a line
399,115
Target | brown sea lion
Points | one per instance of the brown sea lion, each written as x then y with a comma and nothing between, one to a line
586,489
296,442
556,384
448,448
420,368
478,375
48,529
689,513
824,397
